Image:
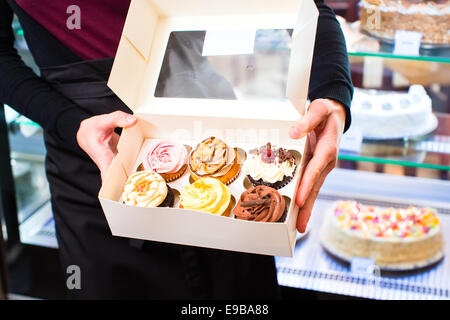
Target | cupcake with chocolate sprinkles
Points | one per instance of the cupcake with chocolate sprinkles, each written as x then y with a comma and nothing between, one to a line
270,166
261,203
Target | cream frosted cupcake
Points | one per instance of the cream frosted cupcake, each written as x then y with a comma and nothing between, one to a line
166,157
147,189
270,166
207,195
213,158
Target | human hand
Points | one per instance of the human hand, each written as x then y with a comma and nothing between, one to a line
324,122
97,138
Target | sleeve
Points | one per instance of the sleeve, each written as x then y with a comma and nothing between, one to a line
330,71
31,95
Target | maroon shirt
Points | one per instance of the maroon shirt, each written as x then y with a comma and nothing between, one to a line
101,24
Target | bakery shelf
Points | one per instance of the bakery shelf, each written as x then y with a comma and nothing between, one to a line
430,151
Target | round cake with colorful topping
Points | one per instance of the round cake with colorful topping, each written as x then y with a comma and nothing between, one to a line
395,238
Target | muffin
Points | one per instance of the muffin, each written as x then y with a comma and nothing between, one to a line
166,157
213,158
147,189
207,195
270,166
261,203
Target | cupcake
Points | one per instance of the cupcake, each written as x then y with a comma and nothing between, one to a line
207,195
166,157
261,203
147,189
213,158
270,166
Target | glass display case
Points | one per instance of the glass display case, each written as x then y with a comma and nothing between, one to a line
394,172
401,171
31,257
27,159
3,274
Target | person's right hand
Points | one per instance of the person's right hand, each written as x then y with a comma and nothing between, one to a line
97,138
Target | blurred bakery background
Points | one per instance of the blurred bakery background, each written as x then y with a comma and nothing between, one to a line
402,158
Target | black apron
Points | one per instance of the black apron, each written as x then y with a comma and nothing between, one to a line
115,267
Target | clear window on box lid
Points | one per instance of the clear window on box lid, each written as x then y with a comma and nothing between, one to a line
188,71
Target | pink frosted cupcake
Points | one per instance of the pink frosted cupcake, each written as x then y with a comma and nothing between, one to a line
166,157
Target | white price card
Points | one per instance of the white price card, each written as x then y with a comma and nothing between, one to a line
362,265
229,42
373,72
352,141
407,42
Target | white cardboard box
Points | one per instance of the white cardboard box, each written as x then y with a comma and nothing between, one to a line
134,77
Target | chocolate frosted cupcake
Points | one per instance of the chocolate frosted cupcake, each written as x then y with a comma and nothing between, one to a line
270,166
214,159
147,189
261,203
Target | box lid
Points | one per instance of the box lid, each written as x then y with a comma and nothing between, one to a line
149,24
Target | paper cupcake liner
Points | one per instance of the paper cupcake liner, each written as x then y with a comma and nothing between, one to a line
276,185
169,177
284,215
169,201
224,179
232,179
140,167
227,212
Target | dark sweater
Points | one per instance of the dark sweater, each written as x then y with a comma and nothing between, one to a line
33,97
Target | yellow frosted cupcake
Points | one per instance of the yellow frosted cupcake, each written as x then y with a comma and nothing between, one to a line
147,189
207,195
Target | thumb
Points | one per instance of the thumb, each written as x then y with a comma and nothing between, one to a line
116,119
318,111
97,138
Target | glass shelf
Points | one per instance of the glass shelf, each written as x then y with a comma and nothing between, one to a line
362,44
403,163
431,151
386,51
25,121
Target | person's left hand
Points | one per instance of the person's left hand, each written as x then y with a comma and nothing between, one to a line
324,122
